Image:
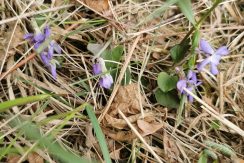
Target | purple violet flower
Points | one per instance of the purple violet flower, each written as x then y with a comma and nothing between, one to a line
45,58
46,54
213,57
53,47
97,68
189,83
105,80
52,68
39,38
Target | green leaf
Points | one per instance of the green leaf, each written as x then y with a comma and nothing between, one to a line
114,55
99,134
186,8
178,52
203,158
22,101
158,12
166,82
168,99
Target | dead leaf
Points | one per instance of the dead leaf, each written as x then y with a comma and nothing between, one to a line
16,40
128,93
98,5
115,154
156,55
148,128
13,158
128,100
114,122
123,136
119,106
237,160
170,148
121,123
5,38
35,158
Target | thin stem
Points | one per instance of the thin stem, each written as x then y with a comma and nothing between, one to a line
199,23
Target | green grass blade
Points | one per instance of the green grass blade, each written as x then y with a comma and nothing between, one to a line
186,8
158,12
21,101
181,109
99,134
33,132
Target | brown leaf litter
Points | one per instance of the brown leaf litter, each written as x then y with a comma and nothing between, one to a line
98,5
128,100
31,158
10,40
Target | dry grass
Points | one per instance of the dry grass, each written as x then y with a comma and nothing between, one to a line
74,25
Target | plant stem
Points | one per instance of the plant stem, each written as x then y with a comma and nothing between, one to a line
199,23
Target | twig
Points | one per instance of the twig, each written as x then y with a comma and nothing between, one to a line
21,63
221,92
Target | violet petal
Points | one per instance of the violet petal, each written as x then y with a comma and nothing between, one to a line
53,70
190,98
39,37
106,81
206,47
47,31
97,69
37,45
222,51
215,59
56,46
214,69
202,64
44,58
181,84
50,52
190,74
29,36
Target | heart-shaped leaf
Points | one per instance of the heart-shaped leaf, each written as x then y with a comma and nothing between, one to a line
114,55
178,52
166,82
168,99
